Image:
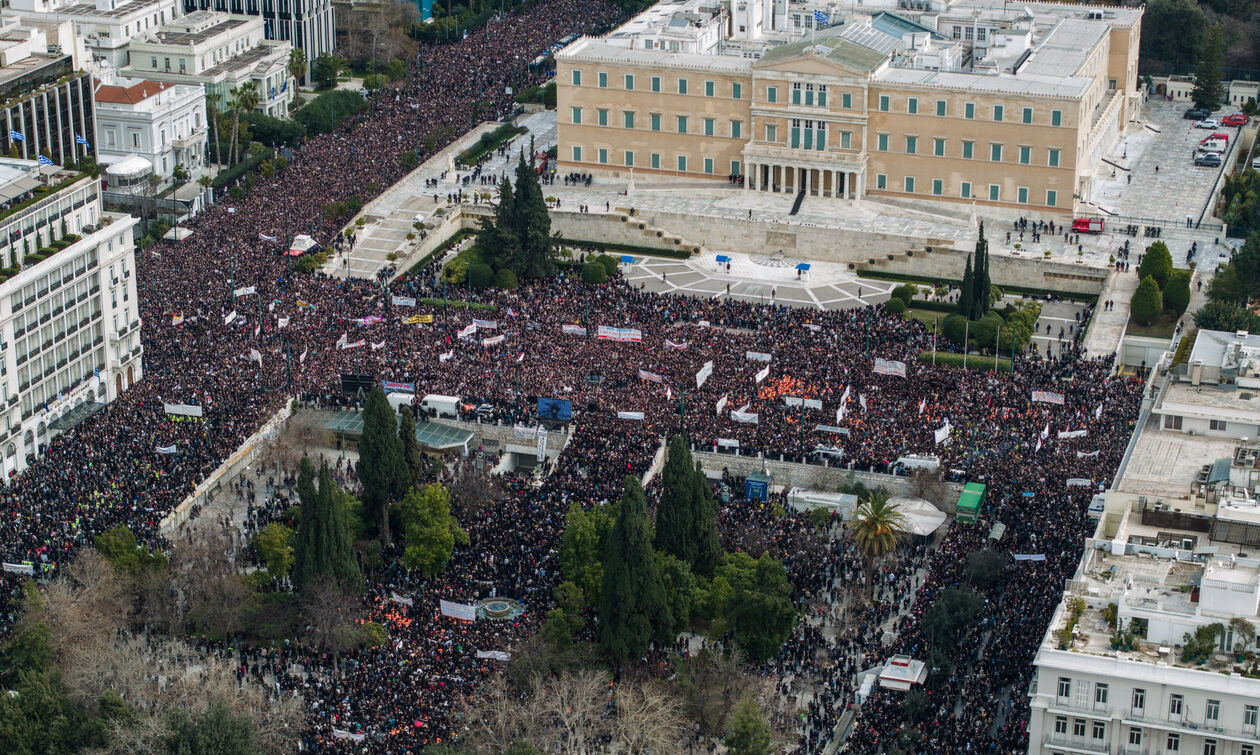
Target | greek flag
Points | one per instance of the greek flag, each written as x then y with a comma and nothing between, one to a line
821,18
45,161
16,136
80,140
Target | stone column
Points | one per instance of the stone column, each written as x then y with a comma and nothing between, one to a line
748,176
844,184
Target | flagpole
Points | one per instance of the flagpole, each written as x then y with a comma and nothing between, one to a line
966,336
934,321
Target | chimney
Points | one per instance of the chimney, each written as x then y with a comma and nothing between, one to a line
1196,372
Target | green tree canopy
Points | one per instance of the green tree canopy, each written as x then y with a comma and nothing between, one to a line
1177,292
1227,316
632,607
217,731
582,547
1208,90
383,471
1172,32
274,546
686,519
752,598
749,731
410,446
1146,304
1157,263
430,529
323,546
946,619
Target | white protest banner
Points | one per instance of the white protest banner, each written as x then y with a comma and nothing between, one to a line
461,611
813,403
231,317
1071,434
676,346
922,404
889,367
1079,482
25,568
942,433
703,324
1083,455
792,400
1029,556
302,359
862,401
378,345
609,333
283,322
629,415
721,404
745,417
352,736
485,324
186,410
812,326
728,443
1048,397
342,340
467,332
765,373
246,291
400,599
522,432
494,655
492,341
404,301
573,330
255,356
446,356
166,450
756,356
652,376
703,373
542,444
177,319
1098,412
355,345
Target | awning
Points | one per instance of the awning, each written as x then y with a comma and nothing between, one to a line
18,188
627,259
803,266
75,415
433,435
723,258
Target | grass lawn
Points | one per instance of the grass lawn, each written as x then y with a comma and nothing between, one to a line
926,316
1162,329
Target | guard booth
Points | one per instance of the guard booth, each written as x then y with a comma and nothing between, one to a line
757,487
970,501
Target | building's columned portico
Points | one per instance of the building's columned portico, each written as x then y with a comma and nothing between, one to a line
788,171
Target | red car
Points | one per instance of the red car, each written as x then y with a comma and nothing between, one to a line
1235,119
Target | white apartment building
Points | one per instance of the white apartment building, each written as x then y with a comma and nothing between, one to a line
106,27
307,25
163,124
69,324
218,52
1215,391
1115,672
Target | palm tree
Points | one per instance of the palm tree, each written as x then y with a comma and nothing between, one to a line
297,68
247,99
877,528
212,110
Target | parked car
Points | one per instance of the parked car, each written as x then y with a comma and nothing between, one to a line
1235,119
1208,160
1197,114
1208,123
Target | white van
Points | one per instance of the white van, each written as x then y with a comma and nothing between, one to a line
398,399
443,406
1255,163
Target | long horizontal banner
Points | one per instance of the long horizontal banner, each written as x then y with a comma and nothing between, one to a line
187,410
1029,556
461,611
494,655
389,387
1048,397
629,415
609,333
467,332
727,443
757,356
745,417
246,291
652,376
26,568
889,367
485,324
831,429
492,341
418,319
403,301
573,330
1072,434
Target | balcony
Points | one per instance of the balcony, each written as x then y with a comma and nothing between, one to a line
1078,744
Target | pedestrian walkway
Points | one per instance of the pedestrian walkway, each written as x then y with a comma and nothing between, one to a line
1108,325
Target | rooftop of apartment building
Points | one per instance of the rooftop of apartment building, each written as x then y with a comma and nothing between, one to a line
109,9
132,94
198,27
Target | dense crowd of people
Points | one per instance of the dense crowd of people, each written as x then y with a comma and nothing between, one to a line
626,396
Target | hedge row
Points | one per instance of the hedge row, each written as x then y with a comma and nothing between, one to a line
974,362
603,246
933,306
902,277
457,304
236,171
442,249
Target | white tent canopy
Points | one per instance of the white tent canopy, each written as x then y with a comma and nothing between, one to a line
921,517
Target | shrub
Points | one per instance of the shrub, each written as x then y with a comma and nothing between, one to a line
549,97
954,329
1177,292
327,111
1157,264
973,362
905,292
610,264
1228,316
895,306
1146,303
505,279
593,272
31,259
482,275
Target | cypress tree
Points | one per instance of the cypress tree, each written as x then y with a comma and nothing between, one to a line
499,241
382,469
964,297
980,286
323,547
410,446
708,547
532,223
676,514
306,482
632,597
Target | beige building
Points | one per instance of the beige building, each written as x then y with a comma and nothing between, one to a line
1010,111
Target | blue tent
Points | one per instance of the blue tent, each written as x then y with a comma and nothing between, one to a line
627,259
803,266
723,258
